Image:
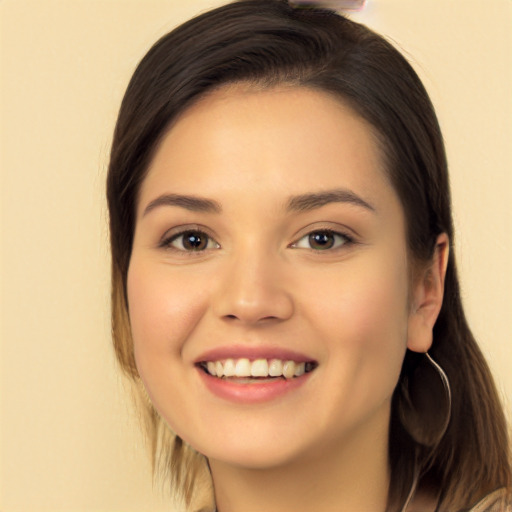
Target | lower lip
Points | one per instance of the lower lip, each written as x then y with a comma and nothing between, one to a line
253,392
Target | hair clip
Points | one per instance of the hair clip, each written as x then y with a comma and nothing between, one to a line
335,5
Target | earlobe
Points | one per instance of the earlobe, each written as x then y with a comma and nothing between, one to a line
427,298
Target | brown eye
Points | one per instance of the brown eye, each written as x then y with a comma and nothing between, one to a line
194,241
191,241
323,240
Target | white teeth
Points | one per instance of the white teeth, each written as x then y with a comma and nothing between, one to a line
288,369
300,369
243,368
258,368
211,368
229,368
275,368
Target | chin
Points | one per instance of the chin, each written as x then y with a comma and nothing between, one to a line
256,457
259,447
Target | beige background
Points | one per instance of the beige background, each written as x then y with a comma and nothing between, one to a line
69,441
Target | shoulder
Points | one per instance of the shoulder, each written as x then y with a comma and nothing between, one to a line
497,501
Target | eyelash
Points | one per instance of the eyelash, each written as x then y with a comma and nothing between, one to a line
168,241
343,240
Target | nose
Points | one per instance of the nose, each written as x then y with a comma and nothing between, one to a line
253,290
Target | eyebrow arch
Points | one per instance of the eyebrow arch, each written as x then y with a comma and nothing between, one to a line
192,203
306,202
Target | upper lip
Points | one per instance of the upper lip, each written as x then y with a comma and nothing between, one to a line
252,352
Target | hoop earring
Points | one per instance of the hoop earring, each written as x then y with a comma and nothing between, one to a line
425,402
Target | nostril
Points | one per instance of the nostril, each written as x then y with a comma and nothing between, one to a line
262,319
250,305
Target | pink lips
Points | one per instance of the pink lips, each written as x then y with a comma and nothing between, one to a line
256,391
252,393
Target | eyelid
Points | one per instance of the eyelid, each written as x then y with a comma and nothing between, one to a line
346,240
345,232
333,227
175,232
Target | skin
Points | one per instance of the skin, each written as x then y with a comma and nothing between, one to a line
351,308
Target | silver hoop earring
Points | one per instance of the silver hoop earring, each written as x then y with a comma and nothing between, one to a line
425,402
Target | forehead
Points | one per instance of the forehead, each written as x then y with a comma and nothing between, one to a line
285,138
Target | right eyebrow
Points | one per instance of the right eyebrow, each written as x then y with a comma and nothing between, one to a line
307,202
192,203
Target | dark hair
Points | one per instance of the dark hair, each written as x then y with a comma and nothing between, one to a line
267,43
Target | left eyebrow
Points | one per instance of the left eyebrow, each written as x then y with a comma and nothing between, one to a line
306,202
192,203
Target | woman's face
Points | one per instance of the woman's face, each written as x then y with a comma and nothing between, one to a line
269,241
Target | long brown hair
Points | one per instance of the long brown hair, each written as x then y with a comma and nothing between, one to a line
266,43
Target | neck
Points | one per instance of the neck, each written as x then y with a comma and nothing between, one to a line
353,475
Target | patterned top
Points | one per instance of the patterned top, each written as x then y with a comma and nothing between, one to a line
494,502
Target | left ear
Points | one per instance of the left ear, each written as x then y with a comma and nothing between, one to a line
427,298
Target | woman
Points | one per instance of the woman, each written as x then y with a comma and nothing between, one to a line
285,296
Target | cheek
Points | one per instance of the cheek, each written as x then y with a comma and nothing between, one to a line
367,297
163,310
362,314
379,307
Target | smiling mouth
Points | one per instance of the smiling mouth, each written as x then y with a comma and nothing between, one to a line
245,370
